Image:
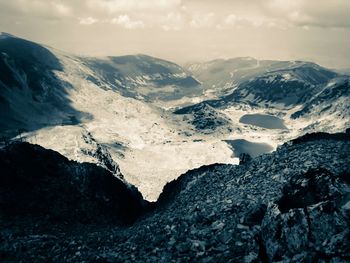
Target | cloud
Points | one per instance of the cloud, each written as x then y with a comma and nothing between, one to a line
244,21
195,14
125,21
310,13
239,21
202,20
115,6
284,14
172,21
42,8
87,20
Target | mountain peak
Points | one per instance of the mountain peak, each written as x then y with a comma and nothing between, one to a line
6,35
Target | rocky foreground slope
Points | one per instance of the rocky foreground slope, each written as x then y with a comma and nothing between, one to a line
292,205
40,183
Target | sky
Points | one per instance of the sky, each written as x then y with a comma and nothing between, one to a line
187,30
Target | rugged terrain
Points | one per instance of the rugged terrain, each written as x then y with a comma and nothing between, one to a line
288,206
305,95
152,120
75,108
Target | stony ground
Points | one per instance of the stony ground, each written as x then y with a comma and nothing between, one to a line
292,205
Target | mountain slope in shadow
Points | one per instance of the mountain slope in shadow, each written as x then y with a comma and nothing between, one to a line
31,94
291,205
40,183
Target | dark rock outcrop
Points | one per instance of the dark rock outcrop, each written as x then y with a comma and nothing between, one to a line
244,158
101,154
205,118
311,219
321,136
42,183
288,206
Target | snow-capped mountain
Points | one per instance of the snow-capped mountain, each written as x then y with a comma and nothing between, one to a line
123,114
32,95
143,77
289,86
113,111
262,81
61,102
334,98
328,109
221,76
304,94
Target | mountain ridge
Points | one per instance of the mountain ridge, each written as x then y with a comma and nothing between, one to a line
253,212
111,111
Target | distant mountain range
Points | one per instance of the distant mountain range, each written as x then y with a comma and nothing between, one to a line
305,88
247,80
113,110
32,95
143,77
137,159
222,75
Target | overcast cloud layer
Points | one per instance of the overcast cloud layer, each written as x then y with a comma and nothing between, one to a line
183,30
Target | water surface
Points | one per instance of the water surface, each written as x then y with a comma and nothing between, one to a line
263,120
254,149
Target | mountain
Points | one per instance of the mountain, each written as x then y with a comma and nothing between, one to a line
31,94
74,106
143,77
265,82
334,98
221,76
205,118
290,86
305,95
289,206
112,111
40,183
241,185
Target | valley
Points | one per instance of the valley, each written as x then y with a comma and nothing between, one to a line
174,131
152,120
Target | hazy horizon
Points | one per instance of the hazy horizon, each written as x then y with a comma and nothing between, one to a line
187,30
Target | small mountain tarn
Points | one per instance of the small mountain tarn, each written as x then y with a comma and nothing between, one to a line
254,149
263,120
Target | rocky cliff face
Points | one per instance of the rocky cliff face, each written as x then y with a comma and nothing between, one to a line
204,118
288,206
40,183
